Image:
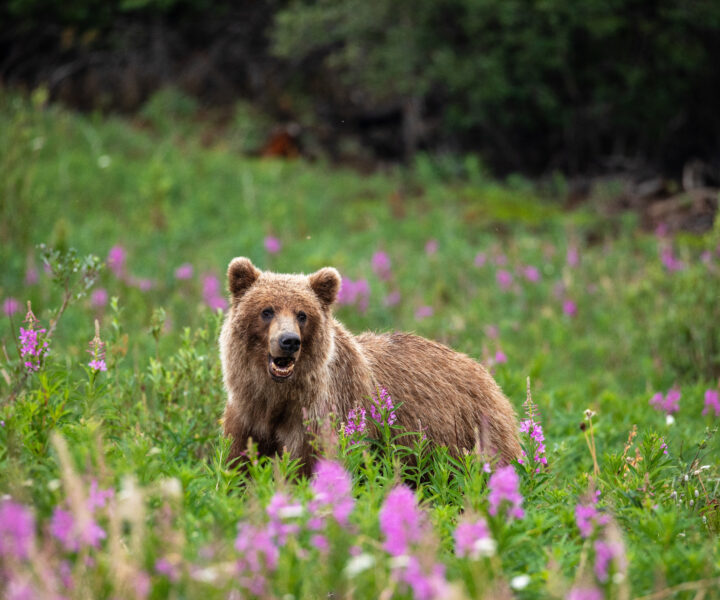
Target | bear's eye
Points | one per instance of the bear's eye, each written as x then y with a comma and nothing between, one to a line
268,313
301,317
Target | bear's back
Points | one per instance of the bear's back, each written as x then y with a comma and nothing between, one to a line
451,396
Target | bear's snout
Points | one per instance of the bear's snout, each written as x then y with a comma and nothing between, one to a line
289,342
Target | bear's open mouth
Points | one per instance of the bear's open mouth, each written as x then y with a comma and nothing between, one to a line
280,367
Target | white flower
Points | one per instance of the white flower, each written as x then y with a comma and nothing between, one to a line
104,161
358,564
669,420
519,582
288,512
484,547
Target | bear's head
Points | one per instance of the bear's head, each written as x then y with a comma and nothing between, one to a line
281,323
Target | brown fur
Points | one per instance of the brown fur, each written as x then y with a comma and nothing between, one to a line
454,398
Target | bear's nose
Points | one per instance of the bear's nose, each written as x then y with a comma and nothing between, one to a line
289,342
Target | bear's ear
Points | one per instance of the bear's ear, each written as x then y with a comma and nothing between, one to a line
241,275
325,283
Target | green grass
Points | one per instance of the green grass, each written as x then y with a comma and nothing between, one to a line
151,421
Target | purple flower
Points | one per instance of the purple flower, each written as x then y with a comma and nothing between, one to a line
184,271
588,518
320,542
33,344
97,498
31,275
116,260
258,554
668,403
17,530
280,509
143,284
585,593
431,247
426,583
605,553
504,279
73,535
472,538
480,259
573,256
164,567
382,409
381,265
356,422
401,521
535,433
500,357
272,244
424,312
99,298
392,298
531,274
712,402
504,484
332,487
10,306
569,308
211,292
354,293
669,261
97,352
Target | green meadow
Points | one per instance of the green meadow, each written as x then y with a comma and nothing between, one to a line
113,483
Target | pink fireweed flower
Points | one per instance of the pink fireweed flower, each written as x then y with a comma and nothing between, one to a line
354,293
211,292
73,534
480,259
164,567
492,331
431,247
116,260
585,593
589,518
184,271
423,312
279,510
143,284
669,260
332,488
402,522
31,275
537,439
712,402
504,484
500,260
425,583
10,306
531,274
258,555
17,530
272,244
569,308
500,357
33,343
320,542
392,299
668,403
97,351
381,265
606,552
504,279
472,539
382,409
573,256
98,498
356,423
99,298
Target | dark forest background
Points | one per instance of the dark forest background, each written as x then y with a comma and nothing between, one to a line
531,86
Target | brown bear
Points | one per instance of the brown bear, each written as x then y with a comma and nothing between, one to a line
286,361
